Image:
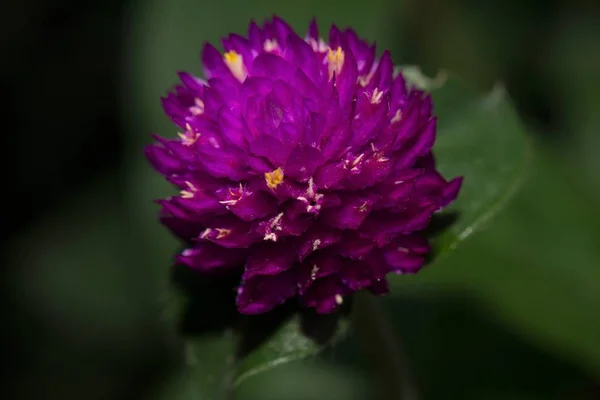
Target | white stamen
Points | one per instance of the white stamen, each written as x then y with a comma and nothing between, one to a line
313,273
376,96
397,117
198,108
316,244
270,45
271,236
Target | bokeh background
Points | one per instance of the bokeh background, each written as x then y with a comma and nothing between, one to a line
512,314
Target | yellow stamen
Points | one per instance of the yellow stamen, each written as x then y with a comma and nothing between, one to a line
339,299
274,178
335,59
235,63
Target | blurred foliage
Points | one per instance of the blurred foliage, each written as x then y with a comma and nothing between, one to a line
511,314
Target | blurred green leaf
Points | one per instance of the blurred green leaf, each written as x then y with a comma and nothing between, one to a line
481,139
216,363
537,265
221,348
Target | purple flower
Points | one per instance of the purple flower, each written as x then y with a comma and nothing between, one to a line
307,163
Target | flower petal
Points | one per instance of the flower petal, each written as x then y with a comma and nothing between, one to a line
262,293
208,257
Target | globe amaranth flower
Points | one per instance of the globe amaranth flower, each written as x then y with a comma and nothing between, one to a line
303,164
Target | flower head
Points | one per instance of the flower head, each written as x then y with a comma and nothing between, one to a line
304,164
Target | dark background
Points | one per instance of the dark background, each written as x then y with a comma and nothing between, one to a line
513,314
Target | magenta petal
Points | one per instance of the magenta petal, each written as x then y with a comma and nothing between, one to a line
403,260
231,233
325,294
370,119
330,175
299,53
192,82
383,78
346,81
282,29
355,247
364,54
357,274
313,30
163,161
353,211
302,162
250,205
255,36
207,257
420,147
379,287
451,191
271,66
182,228
200,203
223,163
335,37
270,148
262,293
370,172
240,45
318,238
324,263
213,63
233,128
269,258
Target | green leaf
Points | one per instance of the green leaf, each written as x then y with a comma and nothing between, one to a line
536,267
480,138
221,349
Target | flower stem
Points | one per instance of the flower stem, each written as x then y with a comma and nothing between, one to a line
382,347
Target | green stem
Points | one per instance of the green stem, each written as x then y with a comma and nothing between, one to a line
382,347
